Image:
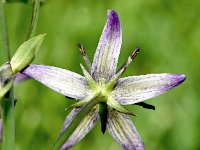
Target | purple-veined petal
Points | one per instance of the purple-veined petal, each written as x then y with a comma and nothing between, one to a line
107,52
134,89
83,128
60,80
19,77
123,131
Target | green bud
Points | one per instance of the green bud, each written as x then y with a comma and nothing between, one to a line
26,53
6,79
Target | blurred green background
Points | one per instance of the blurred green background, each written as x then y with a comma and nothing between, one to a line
168,33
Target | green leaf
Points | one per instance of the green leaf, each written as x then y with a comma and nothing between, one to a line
26,53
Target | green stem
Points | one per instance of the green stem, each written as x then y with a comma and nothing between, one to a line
34,19
7,110
75,122
7,105
4,43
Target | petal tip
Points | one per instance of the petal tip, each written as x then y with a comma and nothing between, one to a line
174,80
112,13
113,18
178,79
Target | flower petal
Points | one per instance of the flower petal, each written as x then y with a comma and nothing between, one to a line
107,52
83,128
63,81
136,89
19,77
123,131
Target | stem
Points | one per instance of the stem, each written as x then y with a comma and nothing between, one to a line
75,122
7,111
34,19
7,105
4,44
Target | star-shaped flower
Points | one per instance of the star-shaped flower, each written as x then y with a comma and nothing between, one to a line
104,85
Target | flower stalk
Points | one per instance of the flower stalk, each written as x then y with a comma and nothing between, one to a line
7,112
34,19
4,45
23,57
7,104
76,121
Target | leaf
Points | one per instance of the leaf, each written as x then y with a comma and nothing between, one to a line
26,53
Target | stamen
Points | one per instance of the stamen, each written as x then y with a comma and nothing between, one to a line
82,50
135,52
129,60
85,56
113,81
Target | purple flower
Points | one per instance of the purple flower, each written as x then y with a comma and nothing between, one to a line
105,81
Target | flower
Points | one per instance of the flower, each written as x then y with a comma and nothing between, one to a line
104,85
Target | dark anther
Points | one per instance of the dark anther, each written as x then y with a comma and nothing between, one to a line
81,48
135,52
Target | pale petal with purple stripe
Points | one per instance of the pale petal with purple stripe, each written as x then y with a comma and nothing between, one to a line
107,52
60,80
123,131
134,89
19,77
83,128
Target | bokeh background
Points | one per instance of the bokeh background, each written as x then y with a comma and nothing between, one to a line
168,33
